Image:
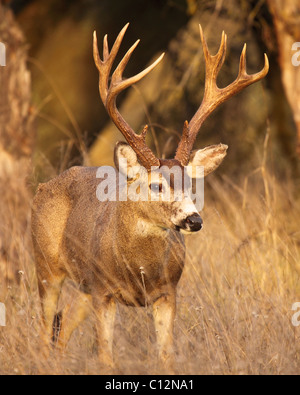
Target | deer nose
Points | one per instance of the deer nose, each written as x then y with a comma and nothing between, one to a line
194,222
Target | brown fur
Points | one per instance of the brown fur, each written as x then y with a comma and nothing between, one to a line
76,236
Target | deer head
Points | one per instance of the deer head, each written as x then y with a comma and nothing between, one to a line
137,153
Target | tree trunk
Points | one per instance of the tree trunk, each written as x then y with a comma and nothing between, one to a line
16,142
286,17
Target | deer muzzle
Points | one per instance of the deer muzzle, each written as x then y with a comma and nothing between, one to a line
192,223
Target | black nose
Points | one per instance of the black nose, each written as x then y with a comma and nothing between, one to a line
194,222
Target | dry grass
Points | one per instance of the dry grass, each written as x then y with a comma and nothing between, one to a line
234,299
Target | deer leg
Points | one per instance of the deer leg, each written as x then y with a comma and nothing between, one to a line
72,316
49,293
105,310
164,315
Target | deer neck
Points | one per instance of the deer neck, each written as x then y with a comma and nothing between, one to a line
139,223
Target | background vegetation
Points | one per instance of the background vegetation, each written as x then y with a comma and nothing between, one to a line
242,271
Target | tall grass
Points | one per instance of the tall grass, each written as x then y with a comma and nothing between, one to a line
234,299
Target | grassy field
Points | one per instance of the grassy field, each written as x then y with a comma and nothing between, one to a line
234,299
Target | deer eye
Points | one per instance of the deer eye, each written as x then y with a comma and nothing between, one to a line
156,187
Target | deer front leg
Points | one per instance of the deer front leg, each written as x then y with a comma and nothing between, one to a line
164,314
105,309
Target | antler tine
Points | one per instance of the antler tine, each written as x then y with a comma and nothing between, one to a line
104,67
215,61
214,96
105,48
243,69
117,82
109,93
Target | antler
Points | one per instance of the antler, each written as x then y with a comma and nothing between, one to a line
109,93
214,96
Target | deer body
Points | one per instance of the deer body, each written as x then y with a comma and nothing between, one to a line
125,251
135,261
105,258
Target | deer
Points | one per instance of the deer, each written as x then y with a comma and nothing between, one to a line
123,251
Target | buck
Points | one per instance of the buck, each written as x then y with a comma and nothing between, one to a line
125,251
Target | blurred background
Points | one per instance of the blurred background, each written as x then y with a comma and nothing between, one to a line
70,121
243,270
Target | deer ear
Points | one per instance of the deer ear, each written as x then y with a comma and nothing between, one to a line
210,158
126,160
